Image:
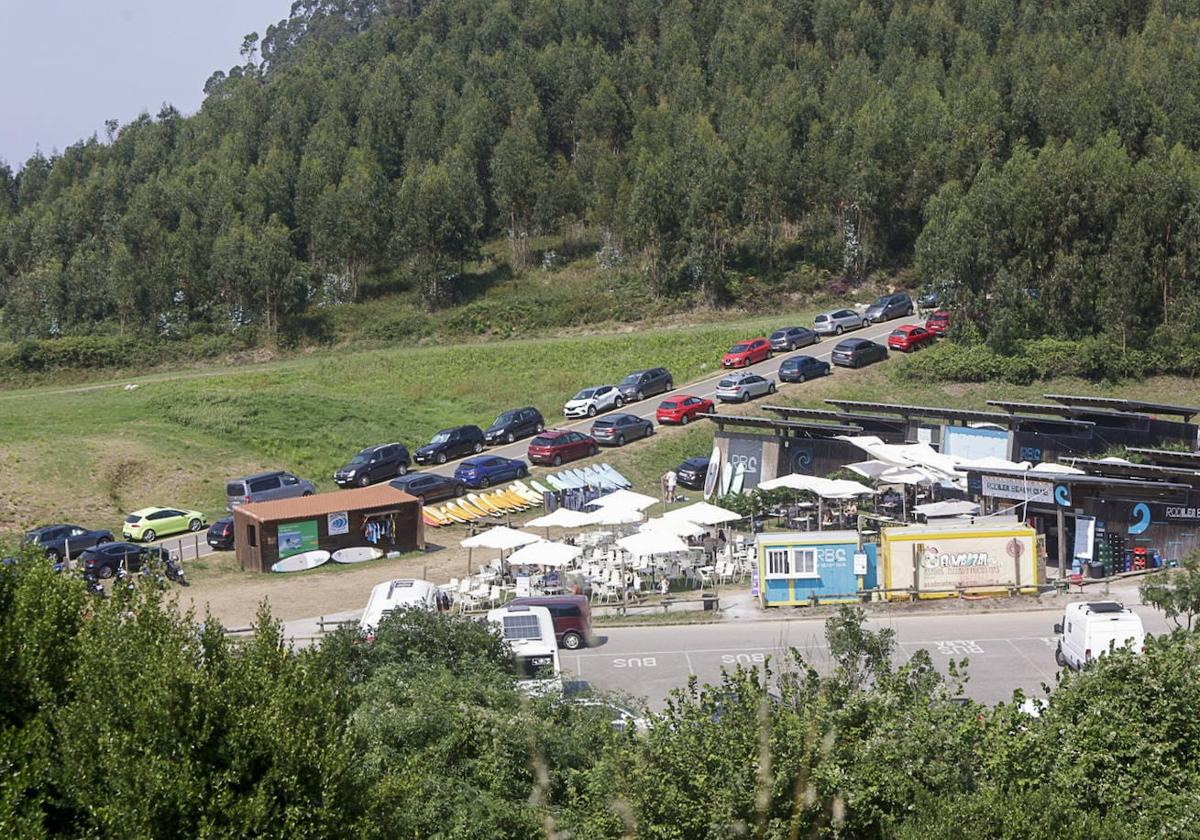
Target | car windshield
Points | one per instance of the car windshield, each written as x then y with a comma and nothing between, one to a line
668,404
586,394
603,424
779,334
133,520
440,437
632,379
899,334
360,458
542,441
505,419
34,537
739,348
883,301
727,383
940,316
822,318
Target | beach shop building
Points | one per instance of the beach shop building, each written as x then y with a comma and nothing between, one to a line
807,567
379,517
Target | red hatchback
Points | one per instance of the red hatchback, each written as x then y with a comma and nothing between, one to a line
939,322
682,409
557,445
747,353
909,337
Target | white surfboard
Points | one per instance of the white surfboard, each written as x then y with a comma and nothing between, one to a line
739,478
357,554
714,472
726,477
301,562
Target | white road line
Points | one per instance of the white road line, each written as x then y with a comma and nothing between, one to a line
1039,668
688,657
814,646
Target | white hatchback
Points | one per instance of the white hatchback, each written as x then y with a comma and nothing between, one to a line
591,401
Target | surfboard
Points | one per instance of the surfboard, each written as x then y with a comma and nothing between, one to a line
518,501
430,520
301,562
483,502
357,554
539,487
459,513
452,515
714,472
739,478
726,477
616,476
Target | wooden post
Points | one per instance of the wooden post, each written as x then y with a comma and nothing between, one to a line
1062,544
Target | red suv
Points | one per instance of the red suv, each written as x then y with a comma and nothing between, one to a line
939,322
571,614
909,337
747,353
682,409
557,445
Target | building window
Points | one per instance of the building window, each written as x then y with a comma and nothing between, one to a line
251,536
777,562
804,562
792,563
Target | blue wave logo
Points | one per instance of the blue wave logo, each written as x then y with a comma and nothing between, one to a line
1062,495
1141,518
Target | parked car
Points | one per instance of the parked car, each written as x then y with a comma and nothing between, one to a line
375,463
746,353
938,322
264,487
792,338
838,321
486,470
148,524
691,473
571,614
645,383
744,388
429,487
554,446
619,429
518,423
910,337
803,368
857,352
103,561
683,409
66,541
1090,629
591,401
220,534
451,443
890,306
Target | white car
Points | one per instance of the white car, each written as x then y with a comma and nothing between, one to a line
529,631
591,401
1090,629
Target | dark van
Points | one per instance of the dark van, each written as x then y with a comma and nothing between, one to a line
572,617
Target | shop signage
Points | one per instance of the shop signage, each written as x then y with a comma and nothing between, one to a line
297,537
1182,513
339,523
934,559
1005,487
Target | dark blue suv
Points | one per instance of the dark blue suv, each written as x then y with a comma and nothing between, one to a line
486,470
800,368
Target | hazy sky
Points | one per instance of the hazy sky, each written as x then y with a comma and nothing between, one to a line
68,65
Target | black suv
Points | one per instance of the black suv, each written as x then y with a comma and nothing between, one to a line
692,472
451,443
518,423
375,463
57,540
428,487
104,560
645,383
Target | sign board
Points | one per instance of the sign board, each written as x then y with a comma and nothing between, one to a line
1181,513
297,537
339,523
860,563
963,559
1022,489
1085,537
746,453
968,442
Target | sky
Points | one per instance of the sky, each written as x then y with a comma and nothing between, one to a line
66,66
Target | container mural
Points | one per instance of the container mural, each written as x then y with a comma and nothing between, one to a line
939,561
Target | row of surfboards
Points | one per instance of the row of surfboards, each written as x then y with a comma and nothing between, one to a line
312,559
723,477
519,496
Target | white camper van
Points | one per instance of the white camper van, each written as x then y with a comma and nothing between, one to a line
405,593
529,631
1090,629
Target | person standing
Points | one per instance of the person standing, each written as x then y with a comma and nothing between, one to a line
670,478
664,586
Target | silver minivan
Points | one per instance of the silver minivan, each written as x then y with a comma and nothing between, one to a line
838,321
265,487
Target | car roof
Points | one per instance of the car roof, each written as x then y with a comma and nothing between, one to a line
146,511
554,434
266,474
852,342
697,460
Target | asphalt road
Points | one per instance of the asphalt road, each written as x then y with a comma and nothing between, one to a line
1004,651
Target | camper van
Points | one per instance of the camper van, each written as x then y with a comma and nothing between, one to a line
1091,629
404,593
529,631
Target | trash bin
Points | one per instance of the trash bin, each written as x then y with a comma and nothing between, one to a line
1095,570
711,601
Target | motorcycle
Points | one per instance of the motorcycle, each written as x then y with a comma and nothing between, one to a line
175,572
93,585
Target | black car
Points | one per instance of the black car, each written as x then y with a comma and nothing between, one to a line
801,368
59,540
104,560
856,352
375,463
451,443
220,534
619,429
691,473
790,338
518,423
645,383
428,487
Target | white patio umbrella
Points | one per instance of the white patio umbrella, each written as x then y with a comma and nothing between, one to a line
673,525
624,499
650,543
545,554
614,515
703,513
499,537
561,518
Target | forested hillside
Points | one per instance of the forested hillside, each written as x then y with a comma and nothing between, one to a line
1038,157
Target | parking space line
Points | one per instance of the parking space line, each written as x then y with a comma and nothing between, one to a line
1039,668
688,657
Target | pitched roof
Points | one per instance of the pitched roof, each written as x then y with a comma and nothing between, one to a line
320,504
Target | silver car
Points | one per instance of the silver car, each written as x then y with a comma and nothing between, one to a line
896,305
838,321
744,387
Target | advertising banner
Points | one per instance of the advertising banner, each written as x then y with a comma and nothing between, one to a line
967,560
746,453
338,523
1006,487
297,537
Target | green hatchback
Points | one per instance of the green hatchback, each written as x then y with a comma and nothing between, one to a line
148,524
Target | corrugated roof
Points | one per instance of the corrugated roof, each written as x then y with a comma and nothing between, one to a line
321,504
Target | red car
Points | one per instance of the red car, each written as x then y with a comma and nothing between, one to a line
939,322
910,337
552,447
747,353
682,409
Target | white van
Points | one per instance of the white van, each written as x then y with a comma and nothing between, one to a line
394,595
529,631
1091,629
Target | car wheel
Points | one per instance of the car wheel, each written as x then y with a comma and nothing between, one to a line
307,493
593,450
485,482
402,469
104,572
684,420
572,640
103,540
591,411
640,396
522,472
670,386
1059,658
477,448
771,388
196,524
620,402
800,378
510,438
839,330
421,500
649,429
441,458
557,461
745,396
459,490
54,555
148,536
364,480
539,428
